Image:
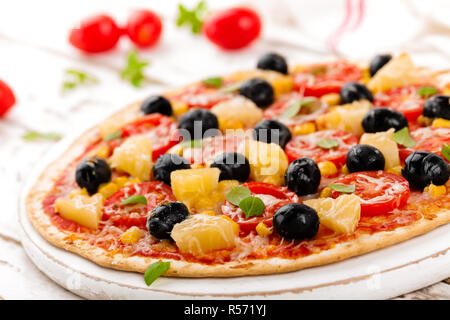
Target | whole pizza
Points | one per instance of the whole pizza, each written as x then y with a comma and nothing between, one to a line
258,172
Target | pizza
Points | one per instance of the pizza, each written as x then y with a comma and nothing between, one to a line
263,171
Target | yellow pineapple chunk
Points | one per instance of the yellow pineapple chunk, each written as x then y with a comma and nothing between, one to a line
238,110
281,83
341,214
347,117
82,209
203,233
384,142
134,156
268,162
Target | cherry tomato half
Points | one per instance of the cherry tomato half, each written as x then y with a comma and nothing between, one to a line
380,192
95,34
233,28
144,28
274,197
427,139
7,98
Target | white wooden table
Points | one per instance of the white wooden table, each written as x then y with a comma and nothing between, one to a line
34,55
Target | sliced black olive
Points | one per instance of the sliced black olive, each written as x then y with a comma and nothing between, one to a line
382,119
167,163
273,61
354,91
259,91
378,62
162,218
233,166
303,176
423,168
296,221
157,104
198,124
272,131
91,173
363,157
437,107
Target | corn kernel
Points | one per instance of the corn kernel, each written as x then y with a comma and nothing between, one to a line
325,193
344,169
441,123
176,149
436,191
132,235
208,212
365,75
396,170
304,128
282,85
100,151
226,124
446,91
327,168
108,189
235,225
424,121
332,99
78,192
134,180
263,230
179,107
298,68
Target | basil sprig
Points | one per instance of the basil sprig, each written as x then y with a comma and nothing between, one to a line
403,137
295,108
134,200
327,143
154,271
342,187
446,151
242,197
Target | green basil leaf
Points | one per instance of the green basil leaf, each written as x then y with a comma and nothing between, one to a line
154,271
34,135
446,151
213,82
326,143
318,70
77,78
252,206
237,194
426,91
113,136
134,69
231,88
342,187
134,200
403,137
193,18
192,144
295,108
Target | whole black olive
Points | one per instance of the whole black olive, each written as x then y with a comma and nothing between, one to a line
296,221
233,166
198,124
363,157
269,131
437,107
91,173
378,62
156,104
162,218
273,61
259,91
303,176
382,119
354,91
167,163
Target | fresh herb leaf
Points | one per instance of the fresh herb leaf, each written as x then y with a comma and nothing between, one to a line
112,136
252,206
154,271
426,91
192,144
193,18
213,82
134,70
342,187
34,135
75,78
295,108
318,70
134,200
446,151
403,137
327,143
237,194
231,88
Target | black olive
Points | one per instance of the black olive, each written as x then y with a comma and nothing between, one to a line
272,131
423,168
354,91
91,173
167,163
259,91
157,104
382,119
296,221
273,61
363,157
303,176
198,124
378,62
437,107
233,166
162,218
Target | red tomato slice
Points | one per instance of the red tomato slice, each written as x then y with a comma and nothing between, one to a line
306,146
201,96
405,100
211,147
380,192
274,197
135,215
162,132
319,79
427,139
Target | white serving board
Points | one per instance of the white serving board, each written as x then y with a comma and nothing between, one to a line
382,274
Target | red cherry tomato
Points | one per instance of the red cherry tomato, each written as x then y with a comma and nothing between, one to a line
7,98
144,28
135,215
319,79
233,28
95,34
380,192
279,196
306,146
